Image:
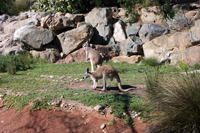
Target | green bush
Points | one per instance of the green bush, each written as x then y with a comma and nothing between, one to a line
173,103
12,63
151,62
14,7
64,6
183,66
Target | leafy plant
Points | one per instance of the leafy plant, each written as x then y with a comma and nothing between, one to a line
151,62
173,102
111,122
13,63
183,66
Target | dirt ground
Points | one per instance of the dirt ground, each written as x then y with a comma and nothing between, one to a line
74,119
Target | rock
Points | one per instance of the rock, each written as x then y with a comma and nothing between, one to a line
114,44
151,14
107,51
181,8
190,57
74,39
179,22
75,17
33,37
122,15
150,31
131,47
195,34
132,29
193,14
49,54
76,56
119,31
103,126
197,23
132,59
14,23
162,47
101,19
98,108
59,24
4,17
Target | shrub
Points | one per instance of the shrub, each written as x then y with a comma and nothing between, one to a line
12,63
14,7
72,6
173,102
183,66
151,62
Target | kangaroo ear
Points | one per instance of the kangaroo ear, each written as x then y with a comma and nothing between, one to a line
87,69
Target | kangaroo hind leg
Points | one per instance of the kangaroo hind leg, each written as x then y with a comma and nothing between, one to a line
104,83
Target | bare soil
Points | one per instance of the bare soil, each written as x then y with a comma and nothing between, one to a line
75,118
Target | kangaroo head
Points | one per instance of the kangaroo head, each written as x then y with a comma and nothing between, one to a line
87,73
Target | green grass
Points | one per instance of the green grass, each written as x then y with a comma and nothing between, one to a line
42,83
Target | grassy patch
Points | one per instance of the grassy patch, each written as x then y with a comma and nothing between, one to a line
173,102
42,83
111,122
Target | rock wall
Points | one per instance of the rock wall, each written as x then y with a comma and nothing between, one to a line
62,36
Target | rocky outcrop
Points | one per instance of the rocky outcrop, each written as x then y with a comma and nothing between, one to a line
179,22
162,48
33,37
132,59
191,56
101,19
74,39
76,56
132,29
119,31
50,54
107,52
131,46
57,24
150,31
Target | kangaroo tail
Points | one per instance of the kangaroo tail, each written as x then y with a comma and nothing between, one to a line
119,85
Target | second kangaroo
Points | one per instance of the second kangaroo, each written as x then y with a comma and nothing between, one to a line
94,57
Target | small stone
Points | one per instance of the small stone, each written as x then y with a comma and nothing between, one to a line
85,123
98,107
102,126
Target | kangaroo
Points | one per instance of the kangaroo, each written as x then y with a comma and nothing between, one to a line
94,57
105,72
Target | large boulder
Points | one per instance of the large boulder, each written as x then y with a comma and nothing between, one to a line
11,24
195,33
74,39
179,22
119,31
163,47
107,51
151,15
150,31
101,19
132,59
50,54
33,37
191,56
76,56
132,29
131,46
57,24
